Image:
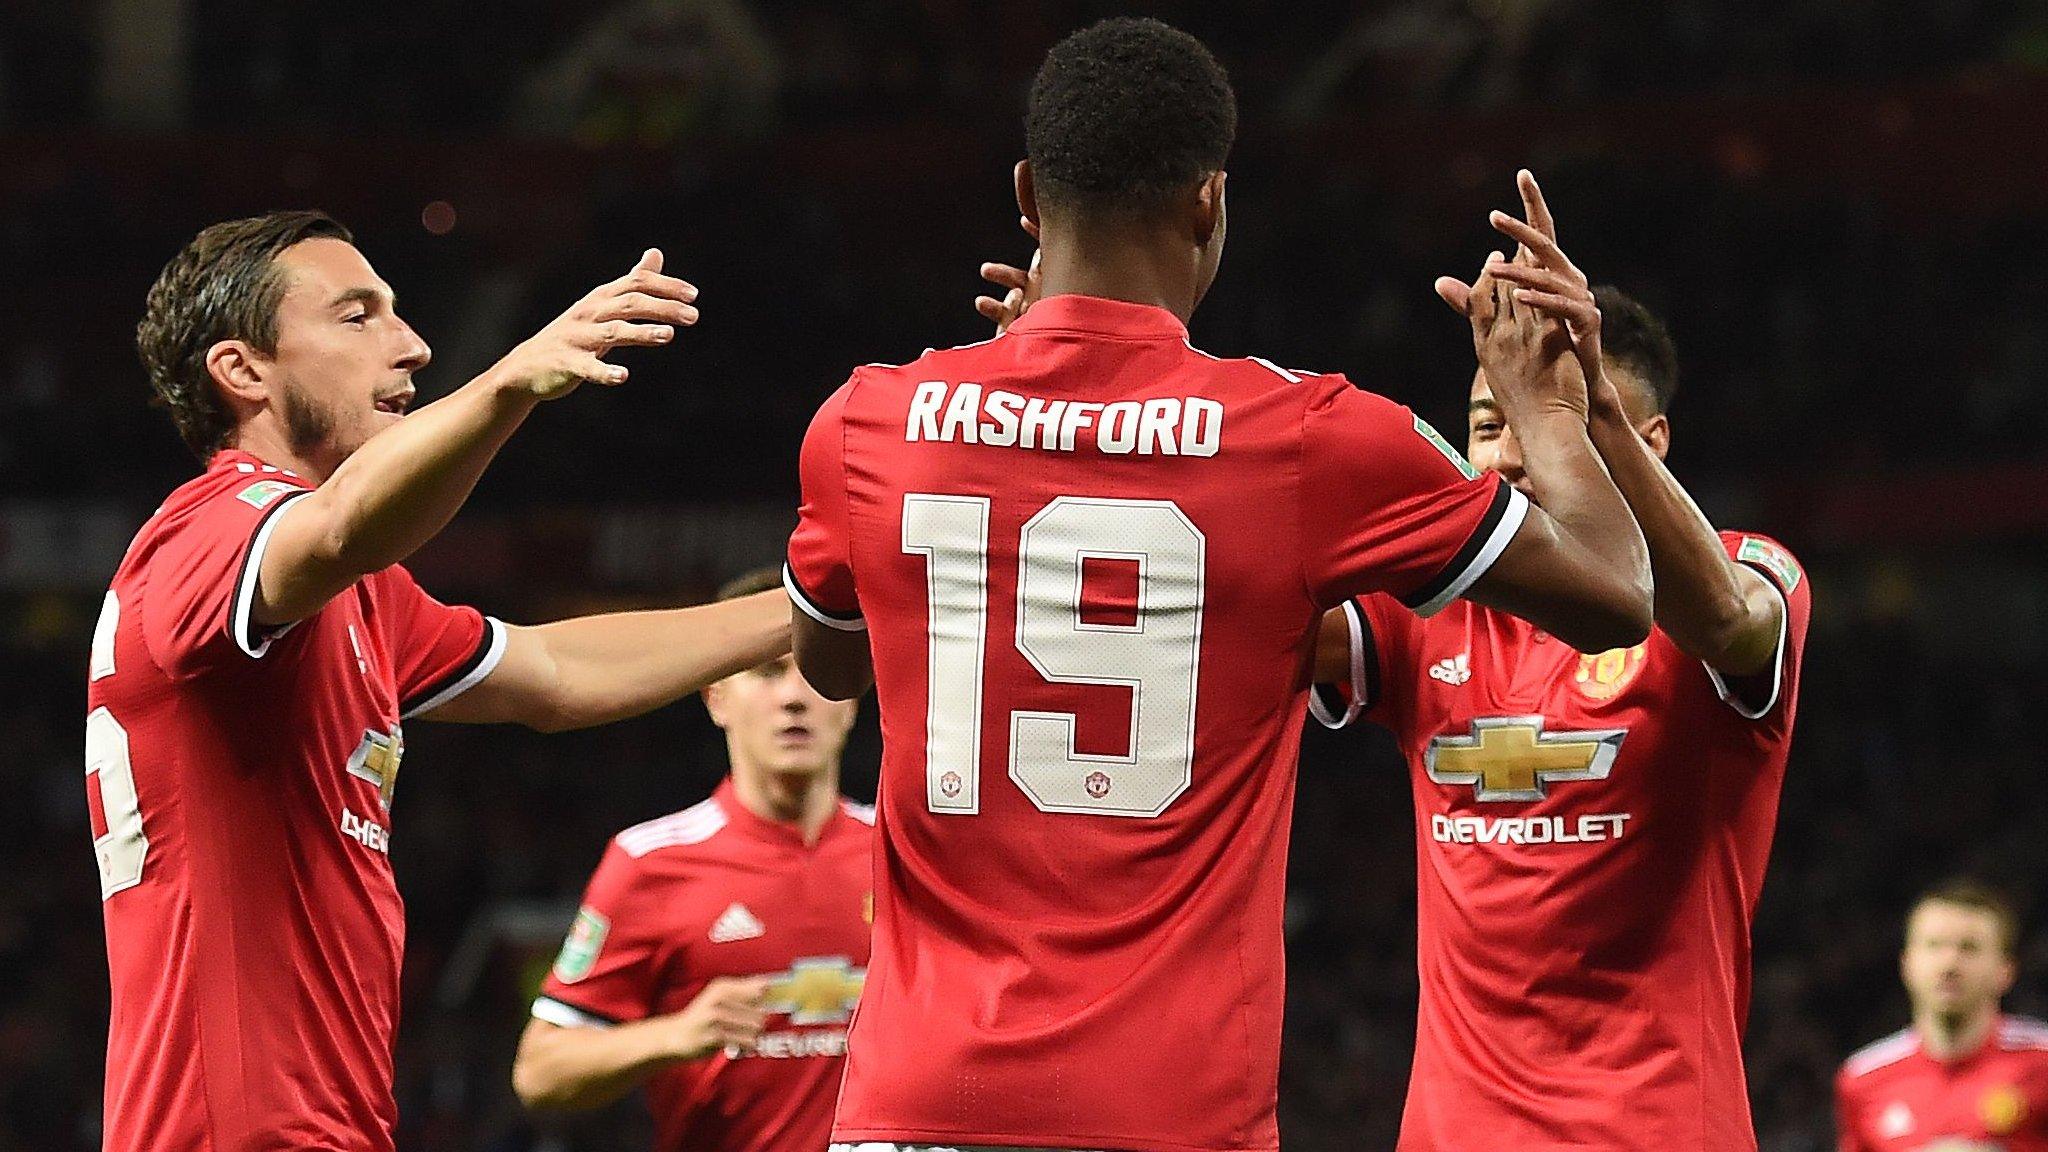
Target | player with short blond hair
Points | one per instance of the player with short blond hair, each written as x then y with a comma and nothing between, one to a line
720,950
1964,1077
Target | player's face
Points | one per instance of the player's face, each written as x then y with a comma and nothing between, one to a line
344,360
1491,445
1489,442
1953,964
775,721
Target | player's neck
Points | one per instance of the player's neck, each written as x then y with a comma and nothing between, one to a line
797,800
1117,265
1953,1037
268,442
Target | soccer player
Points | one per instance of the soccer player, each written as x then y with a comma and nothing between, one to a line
699,929
1964,1076
1592,821
260,647
1083,564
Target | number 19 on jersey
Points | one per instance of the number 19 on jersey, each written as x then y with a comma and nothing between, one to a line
1157,656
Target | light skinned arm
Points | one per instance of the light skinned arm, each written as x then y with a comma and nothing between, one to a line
402,486
594,670
1715,609
572,1069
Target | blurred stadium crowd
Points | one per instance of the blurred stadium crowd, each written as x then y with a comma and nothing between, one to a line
1831,203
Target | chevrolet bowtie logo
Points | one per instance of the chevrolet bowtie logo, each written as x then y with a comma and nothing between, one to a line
1513,758
819,990
376,760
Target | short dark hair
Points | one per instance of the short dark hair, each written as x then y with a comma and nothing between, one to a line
748,583
224,285
1126,114
1632,337
1968,892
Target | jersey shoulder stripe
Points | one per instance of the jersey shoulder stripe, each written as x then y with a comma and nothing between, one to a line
2023,1033
865,813
693,825
1881,1053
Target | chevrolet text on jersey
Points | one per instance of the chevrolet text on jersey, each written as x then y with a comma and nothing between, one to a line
963,414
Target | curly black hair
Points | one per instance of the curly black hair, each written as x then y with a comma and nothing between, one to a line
224,285
1126,114
1632,337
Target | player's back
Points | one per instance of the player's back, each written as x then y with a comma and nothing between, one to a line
1090,558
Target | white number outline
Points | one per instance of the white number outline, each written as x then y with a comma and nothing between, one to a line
124,849
943,703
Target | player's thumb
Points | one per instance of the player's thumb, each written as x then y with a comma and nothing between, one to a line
650,261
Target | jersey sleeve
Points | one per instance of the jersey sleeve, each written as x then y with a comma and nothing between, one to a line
441,651
1387,505
1383,636
1763,697
819,574
202,584
1848,1133
611,966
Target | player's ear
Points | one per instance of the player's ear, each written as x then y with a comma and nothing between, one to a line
1656,432
1208,208
239,370
1027,192
715,701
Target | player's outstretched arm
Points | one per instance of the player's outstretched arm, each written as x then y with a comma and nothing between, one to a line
594,670
570,1069
1715,609
399,489
1577,567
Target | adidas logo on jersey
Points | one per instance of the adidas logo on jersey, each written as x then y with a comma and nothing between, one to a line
1452,670
736,923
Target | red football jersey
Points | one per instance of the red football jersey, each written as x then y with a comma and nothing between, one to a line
1894,1097
239,782
1091,561
1591,835
712,891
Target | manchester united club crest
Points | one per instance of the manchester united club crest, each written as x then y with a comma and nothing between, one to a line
1603,675
1097,784
2003,1110
950,784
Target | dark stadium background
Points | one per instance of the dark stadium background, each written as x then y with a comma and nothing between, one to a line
1840,207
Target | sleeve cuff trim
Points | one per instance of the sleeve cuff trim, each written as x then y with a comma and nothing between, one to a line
242,628
1502,520
490,649
1727,693
1364,671
811,608
568,1015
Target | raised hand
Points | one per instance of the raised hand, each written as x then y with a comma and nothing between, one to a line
1527,357
643,308
1547,280
1020,291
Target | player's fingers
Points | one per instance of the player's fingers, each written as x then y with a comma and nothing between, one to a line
1454,292
1533,205
1568,308
595,369
1006,275
1545,250
1542,279
991,309
643,307
624,334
